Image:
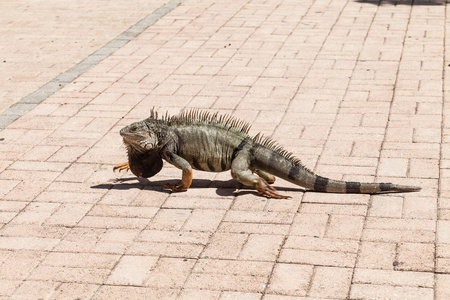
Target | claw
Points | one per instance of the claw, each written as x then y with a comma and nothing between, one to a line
175,187
124,166
272,194
263,188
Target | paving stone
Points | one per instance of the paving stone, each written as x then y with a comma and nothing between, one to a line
170,272
30,289
393,292
225,245
20,264
442,290
415,257
121,292
374,255
396,278
322,286
68,290
261,247
239,276
291,279
132,270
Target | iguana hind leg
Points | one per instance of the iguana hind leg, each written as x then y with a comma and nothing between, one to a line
266,176
124,166
240,171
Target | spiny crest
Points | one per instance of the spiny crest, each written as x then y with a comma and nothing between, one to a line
153,113
274,146
204,117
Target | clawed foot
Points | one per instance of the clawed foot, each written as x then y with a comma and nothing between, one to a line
124,166
175,187
263,188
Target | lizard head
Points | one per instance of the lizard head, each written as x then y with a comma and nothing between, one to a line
139,136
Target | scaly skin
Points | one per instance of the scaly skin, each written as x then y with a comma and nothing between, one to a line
201,141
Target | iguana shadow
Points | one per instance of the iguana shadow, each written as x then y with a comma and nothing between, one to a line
223,187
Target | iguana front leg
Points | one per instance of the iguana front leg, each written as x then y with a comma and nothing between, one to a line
240,171
124,166
186,178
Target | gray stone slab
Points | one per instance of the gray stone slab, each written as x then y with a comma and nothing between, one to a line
19,109
5,120
117,43
68,76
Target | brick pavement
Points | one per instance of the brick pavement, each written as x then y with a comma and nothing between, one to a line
356,89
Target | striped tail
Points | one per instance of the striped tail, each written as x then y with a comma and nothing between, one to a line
292,170
322,184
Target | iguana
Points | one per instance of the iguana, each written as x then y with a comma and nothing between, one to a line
203,141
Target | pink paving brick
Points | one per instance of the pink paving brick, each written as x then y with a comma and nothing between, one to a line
30,243
338,209
132,270
27,260
121,292
7,287
204,220
177,201
113,222
386,207
69,274
383,291
321,258
341,226
67,290
330,282
169,219
225,245
420,207
261,247
310,224
291,279
253,228
415,257
174,236
413,279
442,288
170,273
31,289
80,260
68,214
377,255
230,275
184,250
192,294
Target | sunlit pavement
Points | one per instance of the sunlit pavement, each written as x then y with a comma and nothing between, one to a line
355,89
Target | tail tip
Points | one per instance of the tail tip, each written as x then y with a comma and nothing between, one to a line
405,188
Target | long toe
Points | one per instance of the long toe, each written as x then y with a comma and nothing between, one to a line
122,167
